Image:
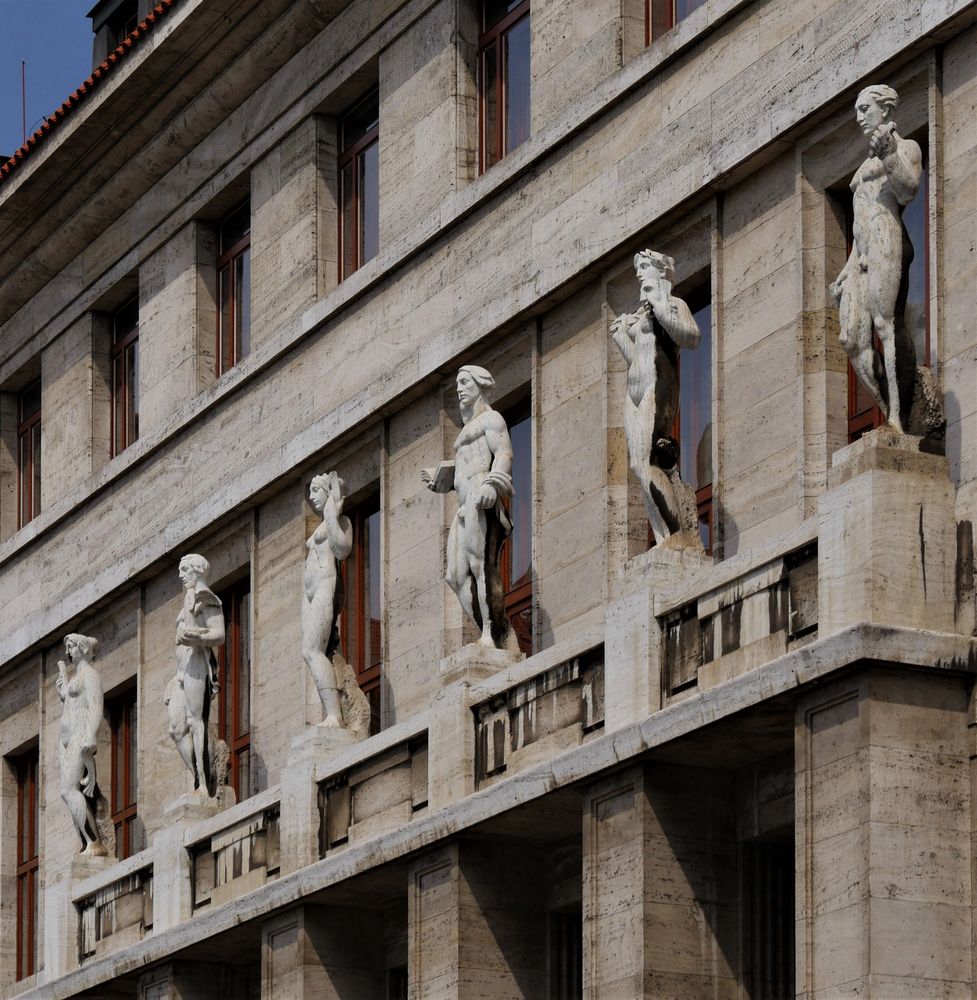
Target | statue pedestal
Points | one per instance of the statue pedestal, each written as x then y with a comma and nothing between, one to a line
886,537
300,792
85,865
451,732
190,808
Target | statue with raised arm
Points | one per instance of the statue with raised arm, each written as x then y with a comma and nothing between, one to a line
80,689
872,288
650,339
481,475
199,631
344,704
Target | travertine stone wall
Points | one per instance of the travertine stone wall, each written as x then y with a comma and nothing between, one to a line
883,805
659,884
428,115
294,227
171,368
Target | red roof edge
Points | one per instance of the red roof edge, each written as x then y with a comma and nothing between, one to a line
53,121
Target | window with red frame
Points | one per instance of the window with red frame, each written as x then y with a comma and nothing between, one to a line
125,376
864,414
693,424
234,679
503,79
663,15
516,564
122,725
28,823
359,184
360,622
234,289
29,454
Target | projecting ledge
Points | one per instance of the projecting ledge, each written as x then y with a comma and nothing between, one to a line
914,648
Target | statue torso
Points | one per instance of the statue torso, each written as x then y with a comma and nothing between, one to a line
473,457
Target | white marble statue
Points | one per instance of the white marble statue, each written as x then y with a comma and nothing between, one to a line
481,475
199,631
80,689
649,339
871,289
343,703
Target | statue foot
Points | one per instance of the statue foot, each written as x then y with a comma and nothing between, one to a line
95,850
333,722
486,641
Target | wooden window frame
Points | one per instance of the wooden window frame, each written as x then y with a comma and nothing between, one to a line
670,20
123,724
226,262
27,427
861,422
229,654
354,154
486,39
28,863
121,359
354,614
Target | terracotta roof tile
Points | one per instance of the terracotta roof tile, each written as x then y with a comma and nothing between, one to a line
54,120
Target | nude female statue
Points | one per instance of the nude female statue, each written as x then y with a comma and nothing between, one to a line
649,340
482,476
199,630
322,601
871,289
80,688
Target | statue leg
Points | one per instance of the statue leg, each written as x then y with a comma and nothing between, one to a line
883,291
475,540
856,331
196,691
72,771
656,489
179,729
317,622
457,574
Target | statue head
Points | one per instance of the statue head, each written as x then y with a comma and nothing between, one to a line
323,486
473,383
80,647
653,269
193,569
874,106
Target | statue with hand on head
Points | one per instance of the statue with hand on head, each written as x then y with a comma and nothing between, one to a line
649,340
199,630
872,288
80,689
481,475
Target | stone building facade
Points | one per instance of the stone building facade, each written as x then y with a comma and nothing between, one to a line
256,245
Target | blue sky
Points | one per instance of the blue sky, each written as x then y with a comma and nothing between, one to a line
55,38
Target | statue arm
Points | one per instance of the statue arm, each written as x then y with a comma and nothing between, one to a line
621,337
440,479
679,323
91,706
904,168
337,531
61,681
500,444
212,634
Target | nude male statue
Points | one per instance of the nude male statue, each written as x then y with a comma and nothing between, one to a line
199,630
482,477
872,287
331,542
649,340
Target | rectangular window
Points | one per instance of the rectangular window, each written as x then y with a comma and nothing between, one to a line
29,454
565,955
503,79
359,184
234,678
234,289
663,15
517,553
28,823
767,962
361,618
125,377
694,431
864,414
122,724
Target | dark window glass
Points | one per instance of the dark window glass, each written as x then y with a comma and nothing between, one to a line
565,954
234,684
503,79
29,454
122,723
28,823
360,623
662,15
125,376
359,185
234,289
517,553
